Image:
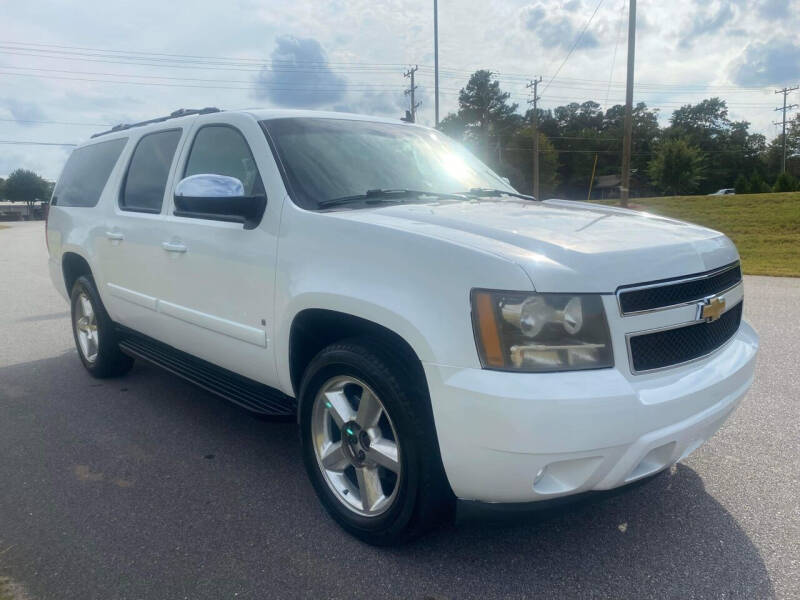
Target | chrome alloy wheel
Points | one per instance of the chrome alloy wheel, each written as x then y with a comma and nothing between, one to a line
84,321
356,446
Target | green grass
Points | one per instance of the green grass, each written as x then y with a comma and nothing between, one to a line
764,227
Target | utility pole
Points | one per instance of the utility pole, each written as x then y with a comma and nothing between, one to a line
626,141
436,60
534,100
785,91
410,92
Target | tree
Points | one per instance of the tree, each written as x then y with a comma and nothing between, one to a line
786,183
26,186
484,109
453,126
728,145
758,185
742,186
2,186
677,167
519,163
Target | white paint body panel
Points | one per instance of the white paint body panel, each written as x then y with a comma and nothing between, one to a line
232,296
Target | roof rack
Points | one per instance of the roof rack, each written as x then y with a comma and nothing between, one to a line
181,112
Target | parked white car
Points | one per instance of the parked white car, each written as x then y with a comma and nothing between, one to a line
438,335
724,192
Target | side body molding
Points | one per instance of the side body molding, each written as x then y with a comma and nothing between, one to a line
245,333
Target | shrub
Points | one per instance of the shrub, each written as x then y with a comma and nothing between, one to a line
742,186
758,185
786,183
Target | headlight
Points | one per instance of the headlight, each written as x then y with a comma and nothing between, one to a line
523,331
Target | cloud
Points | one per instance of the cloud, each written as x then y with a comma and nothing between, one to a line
555,26
774,9
383,103
770,63
23,110
707,22
299,75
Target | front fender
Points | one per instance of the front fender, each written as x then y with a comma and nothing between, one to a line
414,284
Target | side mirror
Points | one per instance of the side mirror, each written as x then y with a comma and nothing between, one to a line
218,198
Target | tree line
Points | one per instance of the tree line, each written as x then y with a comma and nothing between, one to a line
26,186
700,151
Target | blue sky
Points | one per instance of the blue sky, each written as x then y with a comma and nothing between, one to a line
69,69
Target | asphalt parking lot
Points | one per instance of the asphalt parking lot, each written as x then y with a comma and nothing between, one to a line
147,487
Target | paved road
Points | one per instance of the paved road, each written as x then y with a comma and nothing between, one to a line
146,487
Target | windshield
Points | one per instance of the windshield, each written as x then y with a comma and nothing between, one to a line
324,159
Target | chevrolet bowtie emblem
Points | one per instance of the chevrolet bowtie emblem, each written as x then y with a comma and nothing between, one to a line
710,309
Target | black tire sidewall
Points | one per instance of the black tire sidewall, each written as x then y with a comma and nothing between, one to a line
387,527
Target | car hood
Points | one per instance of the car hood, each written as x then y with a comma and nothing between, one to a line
565,246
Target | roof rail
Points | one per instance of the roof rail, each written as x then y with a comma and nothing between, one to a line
181,112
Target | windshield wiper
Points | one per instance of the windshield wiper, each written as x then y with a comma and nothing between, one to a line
489,192
385,195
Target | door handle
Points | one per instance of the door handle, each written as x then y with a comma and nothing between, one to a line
173,246
115,235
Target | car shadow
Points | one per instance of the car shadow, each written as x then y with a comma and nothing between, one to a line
182,489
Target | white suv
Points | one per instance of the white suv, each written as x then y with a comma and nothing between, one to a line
437,334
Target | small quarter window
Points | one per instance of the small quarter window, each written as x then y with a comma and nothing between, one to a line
86,173
143,190
222,150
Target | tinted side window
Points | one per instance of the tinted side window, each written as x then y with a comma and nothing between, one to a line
222,150
143,190
86,173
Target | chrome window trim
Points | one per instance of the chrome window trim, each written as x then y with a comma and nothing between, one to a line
636,288
633,334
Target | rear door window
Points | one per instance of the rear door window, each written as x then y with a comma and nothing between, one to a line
146,179
86,173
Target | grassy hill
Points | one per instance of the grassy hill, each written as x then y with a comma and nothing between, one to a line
765,227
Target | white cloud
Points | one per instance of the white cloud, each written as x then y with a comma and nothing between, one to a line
25,111
299,75
775,62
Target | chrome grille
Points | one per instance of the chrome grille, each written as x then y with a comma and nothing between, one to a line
658,295
683,343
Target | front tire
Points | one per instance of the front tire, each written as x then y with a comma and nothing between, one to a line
94,332
369,443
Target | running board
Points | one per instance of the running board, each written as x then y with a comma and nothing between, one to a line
249,394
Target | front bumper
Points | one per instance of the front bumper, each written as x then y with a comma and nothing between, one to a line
521,437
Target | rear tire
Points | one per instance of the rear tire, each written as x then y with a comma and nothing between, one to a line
94,332
375,463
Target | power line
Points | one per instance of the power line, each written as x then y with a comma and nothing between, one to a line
574,45
375,70
186,85
353,85
257,64
136,54
614,57
348,85
245,67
